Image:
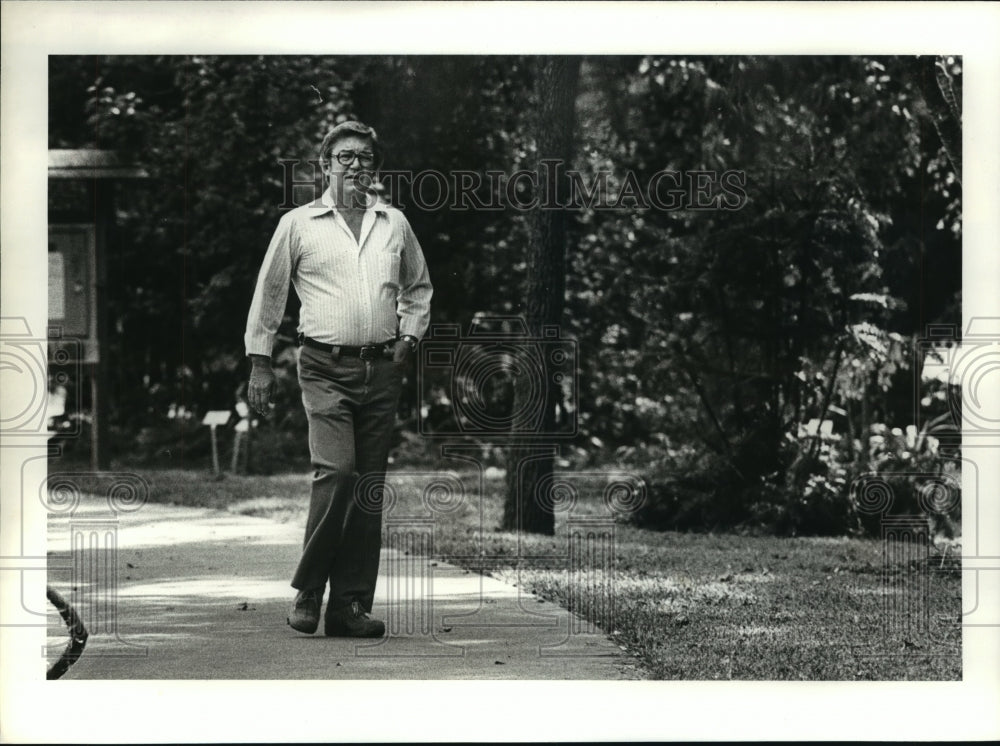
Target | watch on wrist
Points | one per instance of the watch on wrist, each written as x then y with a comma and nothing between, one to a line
410,340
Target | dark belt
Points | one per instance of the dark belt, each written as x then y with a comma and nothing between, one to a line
365,352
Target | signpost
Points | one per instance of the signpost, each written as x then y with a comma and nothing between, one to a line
213,419
243,426
81,216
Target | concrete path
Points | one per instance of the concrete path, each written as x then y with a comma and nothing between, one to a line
181,593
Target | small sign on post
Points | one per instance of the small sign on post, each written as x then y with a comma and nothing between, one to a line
243,426
213,419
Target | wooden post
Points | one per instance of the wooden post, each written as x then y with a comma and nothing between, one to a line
96,414
243,426
248,447
234,467
103,215
215,450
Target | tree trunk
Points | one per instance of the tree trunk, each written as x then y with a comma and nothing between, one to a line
530,457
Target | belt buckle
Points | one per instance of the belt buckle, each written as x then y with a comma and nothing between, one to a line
369,352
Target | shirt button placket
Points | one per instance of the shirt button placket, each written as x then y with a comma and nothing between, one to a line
365,297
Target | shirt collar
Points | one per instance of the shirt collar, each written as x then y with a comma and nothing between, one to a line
325,204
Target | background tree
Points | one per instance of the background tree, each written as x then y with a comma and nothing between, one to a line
556,84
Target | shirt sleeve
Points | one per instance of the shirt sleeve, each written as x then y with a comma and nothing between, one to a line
413,304
271,294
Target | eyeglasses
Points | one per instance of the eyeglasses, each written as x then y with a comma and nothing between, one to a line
346,157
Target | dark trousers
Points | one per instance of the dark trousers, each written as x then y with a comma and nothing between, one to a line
351,407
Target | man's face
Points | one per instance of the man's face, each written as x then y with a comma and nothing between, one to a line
350,177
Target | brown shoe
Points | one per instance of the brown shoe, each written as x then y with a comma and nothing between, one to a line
304,616
351,621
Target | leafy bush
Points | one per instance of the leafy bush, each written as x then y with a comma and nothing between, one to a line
683,485
921,480
818,493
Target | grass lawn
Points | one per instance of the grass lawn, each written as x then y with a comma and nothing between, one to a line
688,606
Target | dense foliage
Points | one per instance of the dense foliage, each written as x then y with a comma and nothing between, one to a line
786,287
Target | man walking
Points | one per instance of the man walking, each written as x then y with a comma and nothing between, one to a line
360,274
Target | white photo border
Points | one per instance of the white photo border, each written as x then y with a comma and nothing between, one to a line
147,711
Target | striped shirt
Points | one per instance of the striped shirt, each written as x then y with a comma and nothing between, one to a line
352,292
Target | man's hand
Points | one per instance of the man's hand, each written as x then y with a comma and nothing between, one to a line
401,350
261,384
